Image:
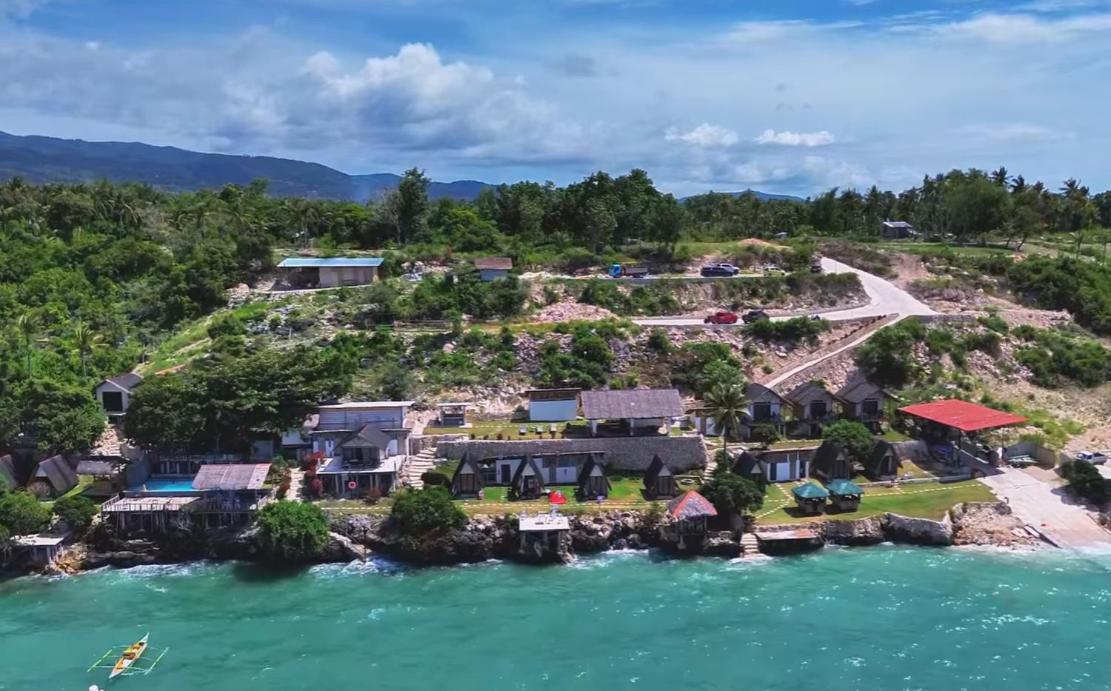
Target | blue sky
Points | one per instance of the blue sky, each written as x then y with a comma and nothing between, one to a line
789,96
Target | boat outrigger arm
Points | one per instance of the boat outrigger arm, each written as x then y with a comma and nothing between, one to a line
142,666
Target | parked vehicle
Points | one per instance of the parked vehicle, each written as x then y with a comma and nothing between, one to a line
720,270
754,316
773,270
1093,457
721,317
816,267
623,271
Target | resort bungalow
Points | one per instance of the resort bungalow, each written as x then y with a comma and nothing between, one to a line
883,461
898,230
659,481
230,494
863,401
468,480
330,272
787,462
52,477
359,446
593,482
528,482
114,395
810,498
690,513
844,495
493,268
749,466
832,462
552,405
813,408
640,409
765,407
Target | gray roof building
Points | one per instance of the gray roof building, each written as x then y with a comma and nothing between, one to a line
637,404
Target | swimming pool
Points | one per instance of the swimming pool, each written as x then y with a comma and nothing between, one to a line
165,484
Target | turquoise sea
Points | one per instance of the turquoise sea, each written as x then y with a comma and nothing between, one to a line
876,619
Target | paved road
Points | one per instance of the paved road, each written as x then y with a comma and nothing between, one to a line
1045,507
884,298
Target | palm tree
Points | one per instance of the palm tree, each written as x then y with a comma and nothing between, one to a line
86,341
726,403
27,327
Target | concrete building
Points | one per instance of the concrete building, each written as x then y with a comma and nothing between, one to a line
360,446
493,268
552,405
637,410
114,394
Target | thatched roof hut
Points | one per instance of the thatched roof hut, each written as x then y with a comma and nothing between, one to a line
527,482
467,481
659,481
592,480
832,462
53,476
883,461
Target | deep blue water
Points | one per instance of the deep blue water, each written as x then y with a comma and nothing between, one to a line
877,619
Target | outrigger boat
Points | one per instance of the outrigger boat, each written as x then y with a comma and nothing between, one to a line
127,663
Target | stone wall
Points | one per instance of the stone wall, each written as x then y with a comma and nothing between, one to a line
621,453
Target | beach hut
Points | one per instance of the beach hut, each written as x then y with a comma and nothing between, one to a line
749,466
810,498
593,482
467,481
690,511
832,462
844,495
53,477
528,481
883,461
659,481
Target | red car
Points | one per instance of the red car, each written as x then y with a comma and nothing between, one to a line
721,317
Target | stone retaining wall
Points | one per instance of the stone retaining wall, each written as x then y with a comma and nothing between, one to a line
621,453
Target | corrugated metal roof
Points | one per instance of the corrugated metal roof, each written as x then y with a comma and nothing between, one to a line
335,262
235,476
493,263
963,415
631,404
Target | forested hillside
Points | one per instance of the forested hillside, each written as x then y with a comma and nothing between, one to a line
92,276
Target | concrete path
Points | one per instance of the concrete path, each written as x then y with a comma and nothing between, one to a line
1047,508
783,376
296,484
884,298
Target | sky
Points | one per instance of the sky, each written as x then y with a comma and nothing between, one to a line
790,96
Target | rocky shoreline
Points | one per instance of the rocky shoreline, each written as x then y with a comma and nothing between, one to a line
483,538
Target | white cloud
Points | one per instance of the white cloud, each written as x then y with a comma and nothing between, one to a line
705,136
1025,28
785,138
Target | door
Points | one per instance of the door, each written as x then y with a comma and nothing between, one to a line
817,410
762,411
506,474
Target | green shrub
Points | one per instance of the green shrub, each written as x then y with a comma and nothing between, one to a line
853,437
429,511
1086,481
434,478
658,341
995,323
797,329
76,511
764,433
292,531
732,494
225,325
22,514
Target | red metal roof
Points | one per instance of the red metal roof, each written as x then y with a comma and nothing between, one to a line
962,415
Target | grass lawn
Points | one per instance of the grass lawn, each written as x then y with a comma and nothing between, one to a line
625,493
916,501
932,249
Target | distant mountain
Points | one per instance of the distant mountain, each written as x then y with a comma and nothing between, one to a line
762,196
47,159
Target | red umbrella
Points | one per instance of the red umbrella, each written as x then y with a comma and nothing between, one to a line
556,497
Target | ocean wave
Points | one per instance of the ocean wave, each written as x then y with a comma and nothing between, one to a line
143,571
602,560
374,565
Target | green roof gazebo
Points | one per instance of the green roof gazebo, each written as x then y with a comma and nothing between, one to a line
810,498
845,495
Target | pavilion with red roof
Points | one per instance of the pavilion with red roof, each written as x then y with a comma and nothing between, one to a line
951,427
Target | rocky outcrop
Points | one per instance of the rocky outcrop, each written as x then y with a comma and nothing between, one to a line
990,523
864,531
917,531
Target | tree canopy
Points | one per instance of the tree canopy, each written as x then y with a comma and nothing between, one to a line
292,531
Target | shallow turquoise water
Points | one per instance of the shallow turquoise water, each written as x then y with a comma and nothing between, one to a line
877,619
166,484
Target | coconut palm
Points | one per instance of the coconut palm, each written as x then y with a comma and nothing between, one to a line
86,340
27,327
726,403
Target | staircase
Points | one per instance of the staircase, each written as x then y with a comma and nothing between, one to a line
750,546
417,466
296,484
